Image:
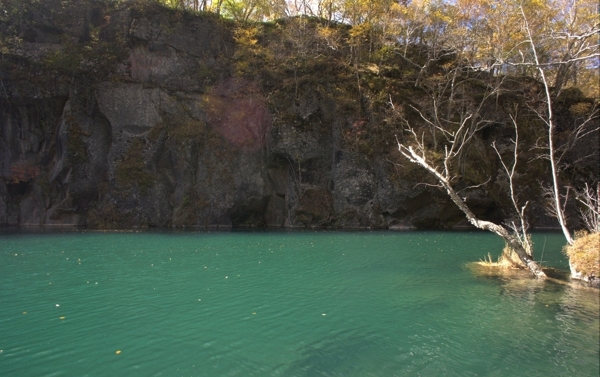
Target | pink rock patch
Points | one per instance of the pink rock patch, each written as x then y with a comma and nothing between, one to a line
238,111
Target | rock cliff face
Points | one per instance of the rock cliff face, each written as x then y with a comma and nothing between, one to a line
170,119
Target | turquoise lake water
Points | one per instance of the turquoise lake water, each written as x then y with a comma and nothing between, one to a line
246,303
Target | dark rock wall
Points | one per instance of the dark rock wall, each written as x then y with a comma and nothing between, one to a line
176,135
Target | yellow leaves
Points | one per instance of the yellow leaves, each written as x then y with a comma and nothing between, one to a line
246,36
325,32
539,4
580,109
329,35
249,52
400,11
360,32
438,15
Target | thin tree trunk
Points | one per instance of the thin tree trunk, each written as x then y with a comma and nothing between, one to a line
510,239
550,123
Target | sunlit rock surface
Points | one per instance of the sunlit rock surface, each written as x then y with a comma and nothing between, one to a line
139,116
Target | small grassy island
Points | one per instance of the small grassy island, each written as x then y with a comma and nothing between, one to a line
584,257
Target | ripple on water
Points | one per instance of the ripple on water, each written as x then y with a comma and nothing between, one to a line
281,304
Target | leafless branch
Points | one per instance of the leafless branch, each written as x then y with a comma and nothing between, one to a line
548,118
442,171
590,207
475,186
554,64
521,229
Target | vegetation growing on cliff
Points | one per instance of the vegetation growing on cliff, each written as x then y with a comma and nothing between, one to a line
131,170
316,88
458,120
91,48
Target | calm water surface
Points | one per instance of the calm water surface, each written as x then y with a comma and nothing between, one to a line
284,304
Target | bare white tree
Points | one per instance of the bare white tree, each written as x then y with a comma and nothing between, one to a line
518,240
458,126
519,229
589,200
583,46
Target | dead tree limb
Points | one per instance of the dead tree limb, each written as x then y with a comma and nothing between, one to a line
512,240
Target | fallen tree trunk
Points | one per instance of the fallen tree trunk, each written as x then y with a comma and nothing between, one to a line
512,240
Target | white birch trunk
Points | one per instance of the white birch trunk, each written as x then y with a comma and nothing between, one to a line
510,239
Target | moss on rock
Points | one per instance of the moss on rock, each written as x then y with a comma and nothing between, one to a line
131,171
76,148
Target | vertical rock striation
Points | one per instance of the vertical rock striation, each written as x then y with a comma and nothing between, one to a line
139,116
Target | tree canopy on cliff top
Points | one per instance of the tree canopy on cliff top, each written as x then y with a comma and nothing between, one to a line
486,33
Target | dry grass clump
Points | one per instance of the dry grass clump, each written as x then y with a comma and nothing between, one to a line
584,254
508,259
